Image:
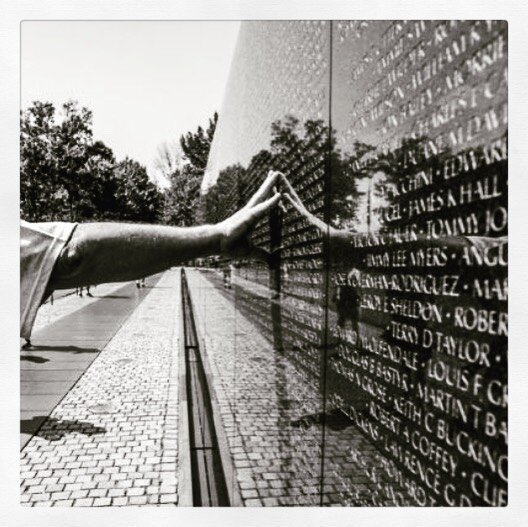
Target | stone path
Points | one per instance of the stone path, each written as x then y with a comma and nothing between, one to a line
113,439
62,350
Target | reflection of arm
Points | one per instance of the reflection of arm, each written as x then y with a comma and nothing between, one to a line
343,246
344,250
341,241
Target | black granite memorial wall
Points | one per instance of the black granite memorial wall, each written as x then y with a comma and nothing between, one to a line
394,133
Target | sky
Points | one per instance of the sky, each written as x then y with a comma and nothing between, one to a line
145,82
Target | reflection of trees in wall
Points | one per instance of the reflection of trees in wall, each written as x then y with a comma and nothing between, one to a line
408,172
363,175
184,166
295,150
196,145
365,184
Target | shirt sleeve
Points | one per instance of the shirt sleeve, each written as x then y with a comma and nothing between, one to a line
40,246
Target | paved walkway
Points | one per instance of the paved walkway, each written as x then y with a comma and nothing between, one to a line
66,302
112,438
63,350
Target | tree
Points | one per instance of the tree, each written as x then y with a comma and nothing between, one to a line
53,156
98,199
39,191
181,197
66,175
139,200
73,138
169,159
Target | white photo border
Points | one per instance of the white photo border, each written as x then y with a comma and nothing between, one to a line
14,12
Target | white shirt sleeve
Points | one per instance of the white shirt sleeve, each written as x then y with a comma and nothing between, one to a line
40,246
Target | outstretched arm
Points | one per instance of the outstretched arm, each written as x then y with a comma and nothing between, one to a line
115,252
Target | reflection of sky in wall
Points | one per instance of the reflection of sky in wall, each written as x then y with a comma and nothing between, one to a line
146,82
271,87
410,99
425,89
368,204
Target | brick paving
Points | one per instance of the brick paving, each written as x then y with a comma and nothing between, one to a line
63,350
113,440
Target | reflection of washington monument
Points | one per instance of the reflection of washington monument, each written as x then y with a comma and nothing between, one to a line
369,204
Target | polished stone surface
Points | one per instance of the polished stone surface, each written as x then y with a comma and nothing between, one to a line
395,132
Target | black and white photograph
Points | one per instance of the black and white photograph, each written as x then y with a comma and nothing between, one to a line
264,263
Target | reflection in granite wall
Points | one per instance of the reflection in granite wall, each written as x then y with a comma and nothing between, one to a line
420,324
275,116
395,134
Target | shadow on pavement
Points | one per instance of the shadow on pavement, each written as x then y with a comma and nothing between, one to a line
51,347
111,296
36,359
54,429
